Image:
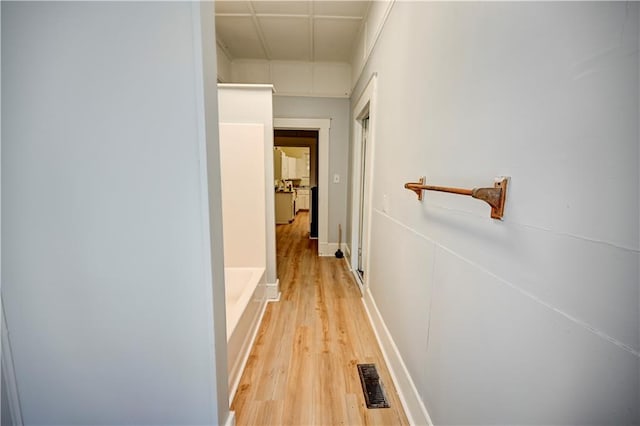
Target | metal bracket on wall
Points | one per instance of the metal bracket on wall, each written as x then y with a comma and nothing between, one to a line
495,196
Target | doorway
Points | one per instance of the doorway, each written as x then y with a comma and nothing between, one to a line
321,126
295,165
361,249
363,150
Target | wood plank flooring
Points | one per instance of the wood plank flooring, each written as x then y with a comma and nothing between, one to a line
302,368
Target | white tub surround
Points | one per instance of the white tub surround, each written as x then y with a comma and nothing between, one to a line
246,302
244,104
246,156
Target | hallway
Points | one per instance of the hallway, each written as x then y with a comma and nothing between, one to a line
302,368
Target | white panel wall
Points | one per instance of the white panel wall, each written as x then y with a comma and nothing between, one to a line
224,65
332,79
250,72
338,111
534,319
106,266
368,36
292,77
252,104
242,160
295,78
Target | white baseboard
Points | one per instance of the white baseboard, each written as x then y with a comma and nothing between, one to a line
272,291
407,392
231,419
330,249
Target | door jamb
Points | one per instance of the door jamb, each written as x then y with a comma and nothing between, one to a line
366,105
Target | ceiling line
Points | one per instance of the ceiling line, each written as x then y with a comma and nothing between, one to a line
258,28
223,48
312,55
282,15
339,18
287,15
232,15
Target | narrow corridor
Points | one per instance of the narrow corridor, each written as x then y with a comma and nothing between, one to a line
302,368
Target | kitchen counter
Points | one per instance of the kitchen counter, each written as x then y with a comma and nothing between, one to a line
285,207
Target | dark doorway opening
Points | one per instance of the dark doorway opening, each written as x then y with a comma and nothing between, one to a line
283,141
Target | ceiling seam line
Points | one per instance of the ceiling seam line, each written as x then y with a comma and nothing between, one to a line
311,43
261,37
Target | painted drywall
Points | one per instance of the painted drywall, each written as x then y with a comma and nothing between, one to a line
224,65
5,411
338,111
106,261
209,155
296,78
368,35
252,104
242,159
533,319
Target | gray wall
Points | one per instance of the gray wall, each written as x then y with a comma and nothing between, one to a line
5,414
338,111
534,319
106,267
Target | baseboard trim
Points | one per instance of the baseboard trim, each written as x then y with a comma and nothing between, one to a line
272,291
407,392
330,249
231,419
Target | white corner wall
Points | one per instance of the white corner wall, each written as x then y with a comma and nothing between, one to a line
242,162
534,319
106,257
252,104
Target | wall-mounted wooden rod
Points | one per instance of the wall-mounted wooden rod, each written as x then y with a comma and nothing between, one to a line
495,196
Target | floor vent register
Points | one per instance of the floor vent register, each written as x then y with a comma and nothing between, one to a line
372,387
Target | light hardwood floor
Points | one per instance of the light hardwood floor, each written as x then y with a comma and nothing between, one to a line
302,368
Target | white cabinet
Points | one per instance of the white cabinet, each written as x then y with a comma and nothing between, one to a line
301,168
292,168
284,207
306,163
285,166
277,163
302,200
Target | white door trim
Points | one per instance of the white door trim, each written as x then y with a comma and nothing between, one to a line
322,125
365,106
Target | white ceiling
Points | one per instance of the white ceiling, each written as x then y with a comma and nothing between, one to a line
294,30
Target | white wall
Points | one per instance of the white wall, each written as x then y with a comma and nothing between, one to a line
252,104
338,111
368,36
296,78
534,319
242,160
224,65
106,267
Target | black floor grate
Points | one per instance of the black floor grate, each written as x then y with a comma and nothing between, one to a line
373,391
